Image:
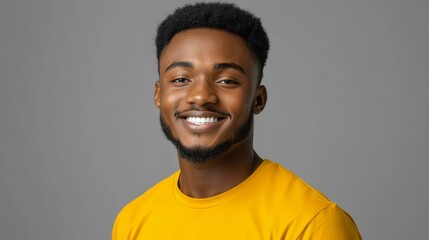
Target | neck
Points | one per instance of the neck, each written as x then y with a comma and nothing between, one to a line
202,180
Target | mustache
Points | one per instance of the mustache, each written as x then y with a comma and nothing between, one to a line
204,108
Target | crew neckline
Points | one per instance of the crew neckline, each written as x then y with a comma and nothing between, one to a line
220,198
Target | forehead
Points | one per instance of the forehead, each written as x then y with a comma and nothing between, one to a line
204,46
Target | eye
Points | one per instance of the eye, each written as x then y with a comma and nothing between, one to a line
180,80
228,82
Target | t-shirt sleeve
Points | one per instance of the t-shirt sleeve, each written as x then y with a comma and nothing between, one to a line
331,223
114,234
117,231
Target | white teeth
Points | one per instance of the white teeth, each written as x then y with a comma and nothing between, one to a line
203,120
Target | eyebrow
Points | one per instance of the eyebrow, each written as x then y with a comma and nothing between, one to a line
217,66
179,64
221,66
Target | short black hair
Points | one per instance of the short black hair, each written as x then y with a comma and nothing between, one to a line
223,16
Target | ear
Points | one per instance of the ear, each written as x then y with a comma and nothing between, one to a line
157,94
260,99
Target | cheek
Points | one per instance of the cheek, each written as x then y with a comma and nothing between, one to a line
239,106
171,99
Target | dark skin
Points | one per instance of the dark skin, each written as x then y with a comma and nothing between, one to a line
209,73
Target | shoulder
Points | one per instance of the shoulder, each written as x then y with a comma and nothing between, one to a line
157,194
292,189
305,211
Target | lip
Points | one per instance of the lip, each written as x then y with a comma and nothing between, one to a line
195,113
201,128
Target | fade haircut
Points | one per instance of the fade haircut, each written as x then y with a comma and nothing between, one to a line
222,16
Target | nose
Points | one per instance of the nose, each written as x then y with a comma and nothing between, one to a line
201,93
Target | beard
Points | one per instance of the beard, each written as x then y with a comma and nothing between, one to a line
200,154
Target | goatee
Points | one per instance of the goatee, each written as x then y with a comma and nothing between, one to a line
200,154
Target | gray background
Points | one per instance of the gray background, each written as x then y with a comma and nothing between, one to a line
79,134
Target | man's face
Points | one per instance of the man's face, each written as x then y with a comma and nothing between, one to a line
206,92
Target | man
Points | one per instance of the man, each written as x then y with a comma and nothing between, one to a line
210,60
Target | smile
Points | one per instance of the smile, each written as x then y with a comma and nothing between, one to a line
201,120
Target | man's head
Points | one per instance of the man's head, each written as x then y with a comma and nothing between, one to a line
222,16
209,85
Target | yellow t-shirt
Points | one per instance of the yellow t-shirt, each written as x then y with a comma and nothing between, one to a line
272,203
